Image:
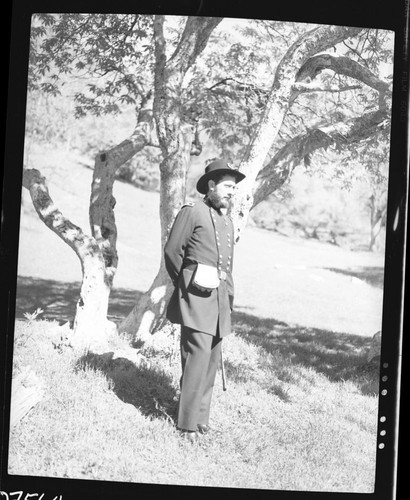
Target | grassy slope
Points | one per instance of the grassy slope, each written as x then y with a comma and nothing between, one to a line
284,425
301,406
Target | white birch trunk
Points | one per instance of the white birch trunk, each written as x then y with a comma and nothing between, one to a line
91,327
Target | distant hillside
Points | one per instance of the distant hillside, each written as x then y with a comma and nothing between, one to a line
291,280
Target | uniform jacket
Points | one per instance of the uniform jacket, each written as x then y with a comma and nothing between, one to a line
200,233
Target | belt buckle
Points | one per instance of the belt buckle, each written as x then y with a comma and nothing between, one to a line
222,275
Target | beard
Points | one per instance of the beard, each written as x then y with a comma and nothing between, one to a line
218,201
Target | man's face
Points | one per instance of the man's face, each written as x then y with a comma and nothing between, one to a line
220,194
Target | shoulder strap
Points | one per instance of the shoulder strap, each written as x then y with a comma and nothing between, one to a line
188,204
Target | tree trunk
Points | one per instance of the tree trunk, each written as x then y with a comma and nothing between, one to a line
275,173
90,325
147,316
278,104
376,221
102,201
175,138
102,218
97,253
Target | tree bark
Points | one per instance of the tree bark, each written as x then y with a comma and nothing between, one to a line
377,219
90,324
341,65
280,99
97,253
147,316
102,201
280,167
175,139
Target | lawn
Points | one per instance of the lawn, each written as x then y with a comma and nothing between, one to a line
283,423
300,412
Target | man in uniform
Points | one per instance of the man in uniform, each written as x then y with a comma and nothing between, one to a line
202,234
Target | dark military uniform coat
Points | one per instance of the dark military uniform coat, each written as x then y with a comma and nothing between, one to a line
200,234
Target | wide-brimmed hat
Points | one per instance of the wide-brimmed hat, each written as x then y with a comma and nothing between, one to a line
214,169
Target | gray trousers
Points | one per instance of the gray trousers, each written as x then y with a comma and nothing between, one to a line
200,356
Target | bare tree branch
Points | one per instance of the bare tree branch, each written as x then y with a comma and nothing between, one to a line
169,74
343,66
102,201
300,88
141,136
280,167
160,44
52,217
193,41
279,101
310,70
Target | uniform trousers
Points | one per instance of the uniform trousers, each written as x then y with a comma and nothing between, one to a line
200,355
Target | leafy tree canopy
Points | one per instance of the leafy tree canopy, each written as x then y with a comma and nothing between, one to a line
111,59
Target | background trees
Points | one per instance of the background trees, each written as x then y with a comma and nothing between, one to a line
269,96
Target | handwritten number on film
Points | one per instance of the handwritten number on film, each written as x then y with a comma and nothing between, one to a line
19,495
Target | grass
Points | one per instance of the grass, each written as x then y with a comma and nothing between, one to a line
284,424
300,412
